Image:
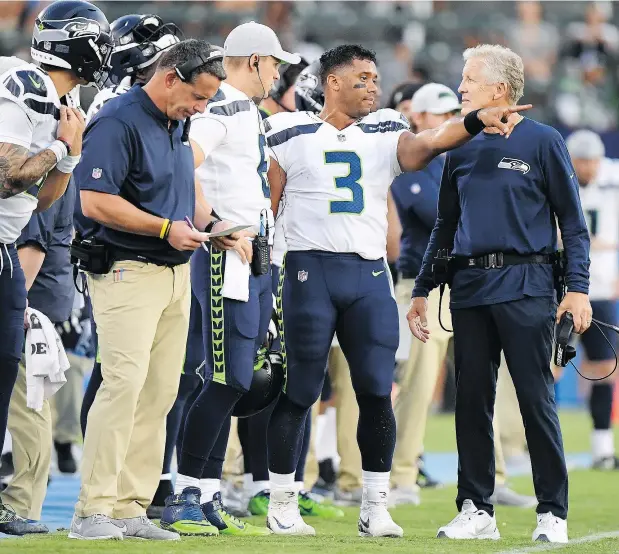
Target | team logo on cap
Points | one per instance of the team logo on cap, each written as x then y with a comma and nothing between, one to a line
516,165
97,172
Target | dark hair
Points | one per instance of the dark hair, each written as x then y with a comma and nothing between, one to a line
187,50
342,55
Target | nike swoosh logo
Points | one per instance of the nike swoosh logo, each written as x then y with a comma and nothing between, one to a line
365,523
377,273
280,525
34,83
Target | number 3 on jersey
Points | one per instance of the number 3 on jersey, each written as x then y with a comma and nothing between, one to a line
351,181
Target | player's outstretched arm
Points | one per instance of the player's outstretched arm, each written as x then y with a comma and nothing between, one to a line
277,182
416,151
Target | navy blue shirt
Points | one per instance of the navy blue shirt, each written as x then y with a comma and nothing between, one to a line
52,291
502,195
133,150
416,198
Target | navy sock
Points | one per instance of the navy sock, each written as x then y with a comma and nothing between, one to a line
215,463
205,420
188,404
8,372
285,435
601,405
300,474
257,437
376,432
89,395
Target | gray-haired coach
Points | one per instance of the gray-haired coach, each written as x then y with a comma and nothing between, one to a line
498,205
137,185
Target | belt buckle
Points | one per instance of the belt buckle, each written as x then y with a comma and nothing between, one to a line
494,261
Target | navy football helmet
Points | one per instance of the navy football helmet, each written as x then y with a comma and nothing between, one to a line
309,94
139,41
74,35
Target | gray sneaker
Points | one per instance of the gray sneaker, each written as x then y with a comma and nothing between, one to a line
399,496
143,528
347,498
504,496
96,527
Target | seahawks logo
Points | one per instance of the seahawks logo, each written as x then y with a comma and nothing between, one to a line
516,165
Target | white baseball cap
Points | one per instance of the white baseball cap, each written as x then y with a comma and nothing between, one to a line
435,98
254,38
585,144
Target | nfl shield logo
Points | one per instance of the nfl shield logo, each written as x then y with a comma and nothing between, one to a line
97,172
341,138
47,45
302,276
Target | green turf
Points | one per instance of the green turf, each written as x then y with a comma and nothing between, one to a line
593,509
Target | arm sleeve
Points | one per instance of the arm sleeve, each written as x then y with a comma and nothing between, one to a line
208,133
106,156
15,125
562,187
444,230
38,230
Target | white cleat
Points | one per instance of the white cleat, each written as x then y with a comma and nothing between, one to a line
550,529
283,517
374,519
470,523
376,522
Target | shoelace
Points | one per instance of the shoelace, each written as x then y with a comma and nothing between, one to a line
548,520
463,518
8,514
100,518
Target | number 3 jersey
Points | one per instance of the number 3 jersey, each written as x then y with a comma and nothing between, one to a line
335,197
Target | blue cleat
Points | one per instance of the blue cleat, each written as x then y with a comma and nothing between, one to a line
183,515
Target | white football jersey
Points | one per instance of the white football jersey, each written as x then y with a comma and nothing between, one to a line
107,94
233,175
601,208
29,113
335,198
279,239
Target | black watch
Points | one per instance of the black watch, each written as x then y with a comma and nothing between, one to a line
66,144
210,225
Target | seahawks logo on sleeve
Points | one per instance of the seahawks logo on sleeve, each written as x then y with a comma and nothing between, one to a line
28,86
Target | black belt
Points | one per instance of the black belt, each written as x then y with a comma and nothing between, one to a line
499,259
120,255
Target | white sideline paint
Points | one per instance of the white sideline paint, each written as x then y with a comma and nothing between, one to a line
555,546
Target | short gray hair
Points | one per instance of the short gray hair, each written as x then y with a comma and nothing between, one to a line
502,66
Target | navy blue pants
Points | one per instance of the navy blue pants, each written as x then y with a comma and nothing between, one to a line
524,330
12,306
232,330
324,293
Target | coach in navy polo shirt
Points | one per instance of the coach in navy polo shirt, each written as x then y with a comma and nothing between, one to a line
137,185
499,204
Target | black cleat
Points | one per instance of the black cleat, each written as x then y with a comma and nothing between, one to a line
424,480
66,461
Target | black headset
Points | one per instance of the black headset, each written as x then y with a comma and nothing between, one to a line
184,70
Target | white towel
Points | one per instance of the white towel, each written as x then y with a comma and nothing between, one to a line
236,277
46,360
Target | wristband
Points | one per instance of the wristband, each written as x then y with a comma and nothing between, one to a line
473,124
164,229
167,231
68,163
60,150
210,225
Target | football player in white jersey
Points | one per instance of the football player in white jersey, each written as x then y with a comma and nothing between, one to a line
234,294
40,145
336,168
599,195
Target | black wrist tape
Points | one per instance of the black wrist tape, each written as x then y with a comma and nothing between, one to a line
473,124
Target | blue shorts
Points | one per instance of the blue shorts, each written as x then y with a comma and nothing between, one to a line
323,293
12,304
232,330
593,342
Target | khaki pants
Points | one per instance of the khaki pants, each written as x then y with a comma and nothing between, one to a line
31,432
67,402
418,377
142,316
347,417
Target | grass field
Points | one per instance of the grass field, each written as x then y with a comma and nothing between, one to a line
594,509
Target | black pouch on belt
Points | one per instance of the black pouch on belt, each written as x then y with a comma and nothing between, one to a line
260,262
